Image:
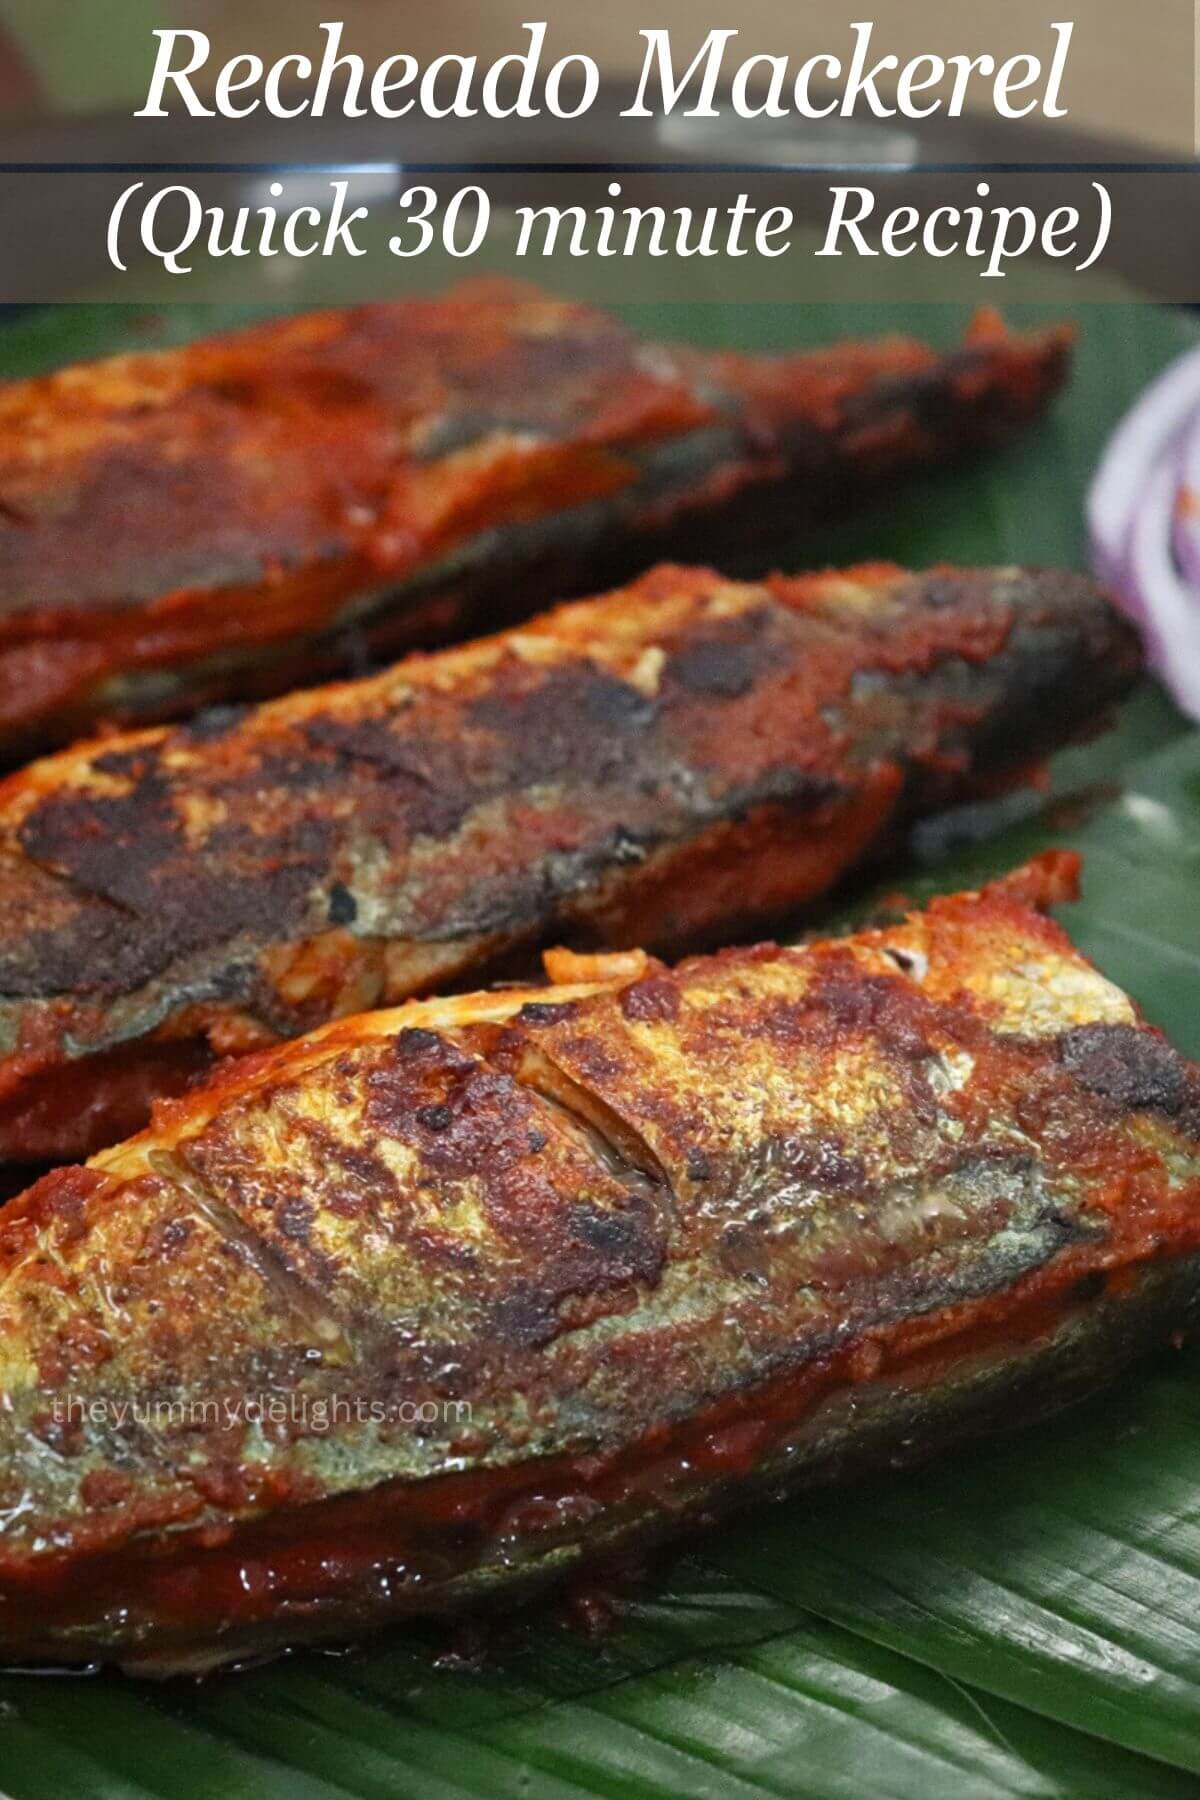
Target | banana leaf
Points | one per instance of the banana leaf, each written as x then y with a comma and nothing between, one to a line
1022,1620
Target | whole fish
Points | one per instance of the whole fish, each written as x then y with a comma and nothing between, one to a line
678,762
448,1300
246,513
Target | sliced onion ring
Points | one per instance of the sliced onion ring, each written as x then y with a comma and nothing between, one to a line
1144,524
1164,410
1156,594
1186,522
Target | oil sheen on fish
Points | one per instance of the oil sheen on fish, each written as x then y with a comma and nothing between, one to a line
446,1300
247,513
673,764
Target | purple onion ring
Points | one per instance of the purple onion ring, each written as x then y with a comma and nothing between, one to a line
1143,513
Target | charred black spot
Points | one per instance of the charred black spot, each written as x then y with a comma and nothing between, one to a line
576,721
130,852
414,1040
654,997
295,1219
847,1001
343,907
616,705
542,1012
603,1230
428,782
422,769
525,1317
473,1120
628,1240
424,1075
726,664
110,844
699,1164
171,1236
1135,1070
288,771
364,1167
726,671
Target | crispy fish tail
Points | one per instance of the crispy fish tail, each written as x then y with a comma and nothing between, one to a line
536,1275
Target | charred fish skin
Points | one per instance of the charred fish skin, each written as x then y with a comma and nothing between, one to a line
541,1273
249,513
681,762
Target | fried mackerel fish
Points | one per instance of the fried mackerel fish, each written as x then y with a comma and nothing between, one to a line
675,763
448,1300
243,514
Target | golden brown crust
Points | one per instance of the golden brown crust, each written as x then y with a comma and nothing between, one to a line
587,1211
532,1270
